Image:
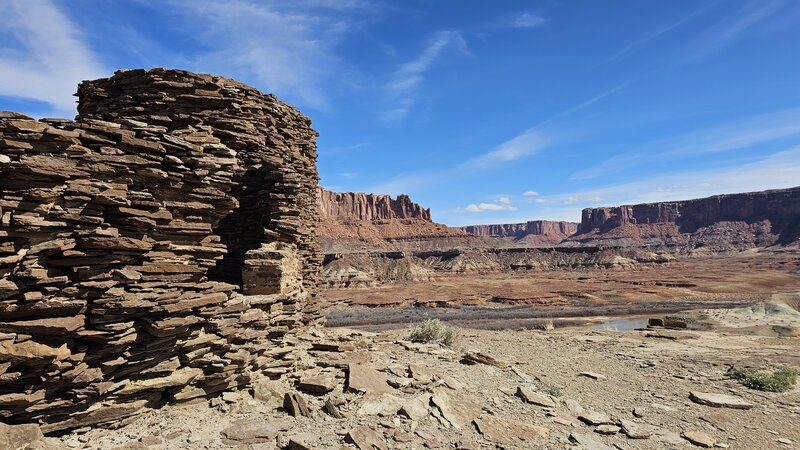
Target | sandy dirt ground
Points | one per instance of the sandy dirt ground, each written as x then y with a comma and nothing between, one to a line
566,389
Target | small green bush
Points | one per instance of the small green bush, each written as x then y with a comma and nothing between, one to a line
780,380
434,331
552,389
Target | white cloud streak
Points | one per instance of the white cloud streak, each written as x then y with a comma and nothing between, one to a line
729,137
532,140
777,170
284,48
481,207
52,56
402,89
528,20
656,33
526,144
731,28
569,200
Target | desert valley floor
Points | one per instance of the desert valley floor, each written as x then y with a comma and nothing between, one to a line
508,300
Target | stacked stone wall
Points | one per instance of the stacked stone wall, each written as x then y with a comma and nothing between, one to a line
161,247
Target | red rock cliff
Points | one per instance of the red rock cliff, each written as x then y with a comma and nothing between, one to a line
520,230
355,206
779,209
352,220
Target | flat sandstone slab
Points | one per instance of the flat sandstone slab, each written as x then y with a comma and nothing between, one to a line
719,400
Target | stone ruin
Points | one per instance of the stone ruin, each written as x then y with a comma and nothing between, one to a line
159,248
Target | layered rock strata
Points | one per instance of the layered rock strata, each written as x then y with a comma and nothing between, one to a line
734,221
357,269
537,231
355,206
129,236
352,220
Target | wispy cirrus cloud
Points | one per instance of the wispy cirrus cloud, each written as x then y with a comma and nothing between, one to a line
526,144
534,139
569,200
527,19
732,27
287,48
44,56
653,34
517,20
405,184
779,169
737,135
403,87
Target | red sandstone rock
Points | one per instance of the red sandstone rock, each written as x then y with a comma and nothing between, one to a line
351,220
721,222
355,206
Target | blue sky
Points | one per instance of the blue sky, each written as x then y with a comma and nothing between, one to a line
484,111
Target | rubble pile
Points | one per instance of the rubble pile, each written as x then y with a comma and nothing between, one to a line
161,247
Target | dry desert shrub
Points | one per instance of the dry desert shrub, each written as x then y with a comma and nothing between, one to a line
434,331
780,380
552,389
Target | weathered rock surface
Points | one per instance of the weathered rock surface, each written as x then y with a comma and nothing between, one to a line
365,438
295,405
128,236
595,418
318,383
588,443
535,398
13,437
721,222
508,431
534,232
699,438
254,431
719,400
366,380
352,220
354,206
456,409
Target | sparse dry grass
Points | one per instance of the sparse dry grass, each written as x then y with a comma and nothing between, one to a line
434,331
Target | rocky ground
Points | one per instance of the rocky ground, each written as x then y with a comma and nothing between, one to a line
566,389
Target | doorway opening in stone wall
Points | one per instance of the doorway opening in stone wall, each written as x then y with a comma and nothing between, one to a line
244,229
257,260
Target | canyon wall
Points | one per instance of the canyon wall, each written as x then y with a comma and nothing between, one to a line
543,230
161,247
770,216
355,206
353,221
